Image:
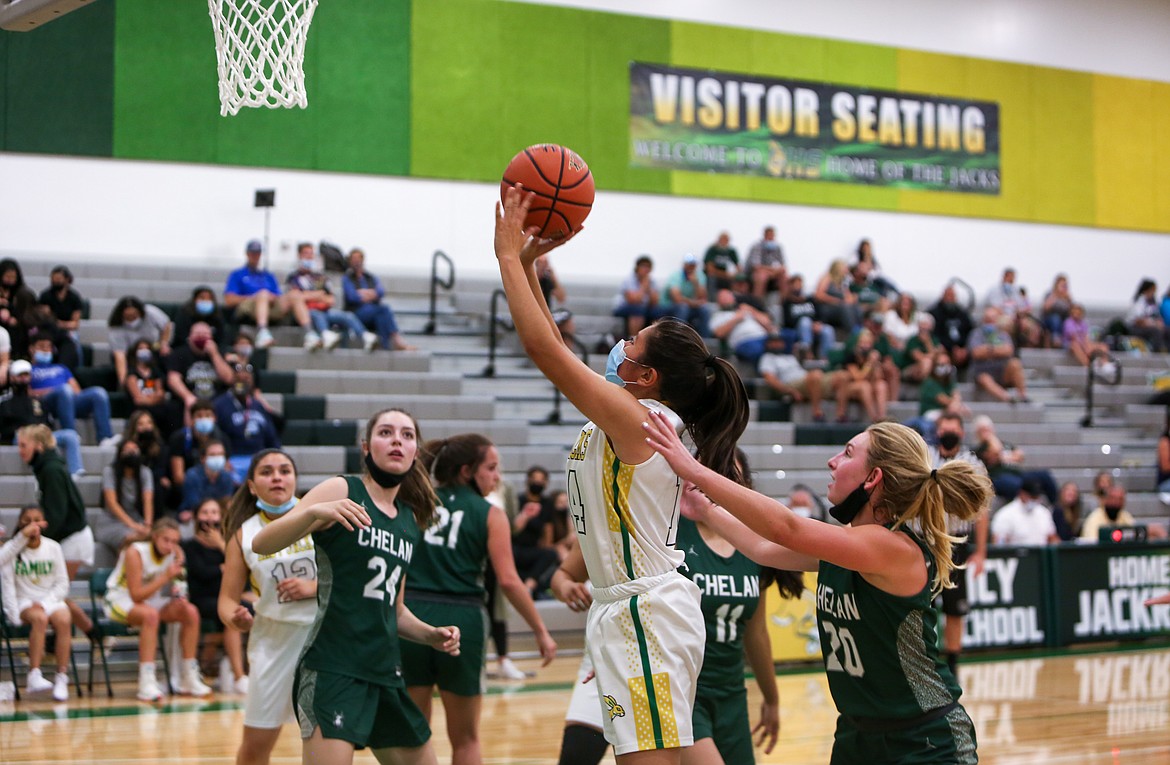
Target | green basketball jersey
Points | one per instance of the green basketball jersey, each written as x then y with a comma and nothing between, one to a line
358,574
731,594
881,650
454,551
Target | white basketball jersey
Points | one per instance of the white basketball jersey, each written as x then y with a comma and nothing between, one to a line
266,571
626,515
152,568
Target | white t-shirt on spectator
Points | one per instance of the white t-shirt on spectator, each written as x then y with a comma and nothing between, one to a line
1018,524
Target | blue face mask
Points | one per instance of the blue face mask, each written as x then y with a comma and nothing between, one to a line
204,426
617,355
276,509
43,357
215,463
204,307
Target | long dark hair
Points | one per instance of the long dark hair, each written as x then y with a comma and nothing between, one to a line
242,505
416,490
445,458
705,391
790,584
120,307
121,466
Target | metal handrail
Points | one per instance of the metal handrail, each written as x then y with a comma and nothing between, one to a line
436,282
493,329
554,417
959,283
1096,374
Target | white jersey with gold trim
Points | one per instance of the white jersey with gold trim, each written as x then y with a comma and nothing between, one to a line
626,516
266,571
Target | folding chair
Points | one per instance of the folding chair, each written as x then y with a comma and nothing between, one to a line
10,632
104,627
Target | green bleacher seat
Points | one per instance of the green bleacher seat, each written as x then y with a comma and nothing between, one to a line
353,459
297,433
102,377
273,381
827,434
775,411
336,432
298,407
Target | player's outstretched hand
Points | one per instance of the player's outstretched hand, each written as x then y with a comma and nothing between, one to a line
445,639
345,511
660,435
512,238
693,503
1158,600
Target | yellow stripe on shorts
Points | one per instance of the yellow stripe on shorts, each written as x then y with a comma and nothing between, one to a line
644,716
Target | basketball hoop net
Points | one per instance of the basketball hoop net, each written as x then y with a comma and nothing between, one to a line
260,51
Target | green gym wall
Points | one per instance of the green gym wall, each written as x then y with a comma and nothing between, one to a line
450,89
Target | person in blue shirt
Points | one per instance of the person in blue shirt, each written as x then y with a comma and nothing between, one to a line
253,293
244,420
210,479
363,296
61,394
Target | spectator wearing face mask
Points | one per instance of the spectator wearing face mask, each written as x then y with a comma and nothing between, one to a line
244,420
127,500
1025,520
186,444
198,370
533,546
133,320
18,408
1111,512
63,397
210,479
201,307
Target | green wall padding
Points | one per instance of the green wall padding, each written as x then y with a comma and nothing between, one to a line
56,88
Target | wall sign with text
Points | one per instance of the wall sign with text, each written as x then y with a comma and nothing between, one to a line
705,121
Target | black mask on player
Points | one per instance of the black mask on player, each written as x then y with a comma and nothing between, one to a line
849,507
384,478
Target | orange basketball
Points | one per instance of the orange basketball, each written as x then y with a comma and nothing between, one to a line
562,183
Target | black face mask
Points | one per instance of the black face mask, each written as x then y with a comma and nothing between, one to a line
845,512
536,488
20,389
1112,511
384,478
131,460
949,441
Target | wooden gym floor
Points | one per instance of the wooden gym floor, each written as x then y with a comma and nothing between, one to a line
1110,707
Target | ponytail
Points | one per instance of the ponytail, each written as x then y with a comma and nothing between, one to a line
445,458
916,495
705,391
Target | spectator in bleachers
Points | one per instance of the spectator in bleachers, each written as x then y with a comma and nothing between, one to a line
244,420
953,326
1068,512
1145,317
68,350
1025,520
765,265
313,287
938,393
131,320
803,332
146,386
1164,307
1111,512
1102,482
638,298
1006,477
721,263
785,375
63,397
18,408
127,500
211,479
865,255
862,380
35,586
1075,335
890,357
204,555
533,546
1056,309
254,294
900,323
994,367
554,294
836,303
201,307
141,593
61,503
920,350
5,355
686,295
742,327
16,306
564,533
198,370
64,302
1015,308
365,296
872,295
142,429
186,444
